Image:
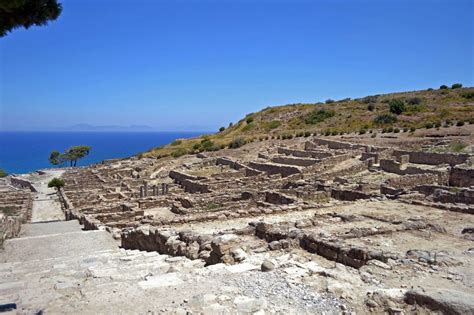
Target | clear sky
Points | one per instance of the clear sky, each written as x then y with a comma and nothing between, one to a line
198,65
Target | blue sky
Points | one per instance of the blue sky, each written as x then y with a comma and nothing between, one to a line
198,65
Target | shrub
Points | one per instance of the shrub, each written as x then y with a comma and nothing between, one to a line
176,142
414,101
362,131
397,106
221,129
334,133
456,86
385,119
371,107
430,89
307,134
468,95
208,145
249,119
370,99
269,125
196,146
396,130
249,127
329,101
437,124
237,143
412,129
318,116
429,125
327,133
390,129
179,152
230,125
460,123
443,87
3,173
56,183
405,129
374,135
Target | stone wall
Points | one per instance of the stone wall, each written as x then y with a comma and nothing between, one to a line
301,153
431,158
461,177
349,195
271,168
194,186
278,198
10,227
294,160
332,144
409,181
392,166
21,183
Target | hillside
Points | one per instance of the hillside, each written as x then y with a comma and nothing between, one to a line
394,112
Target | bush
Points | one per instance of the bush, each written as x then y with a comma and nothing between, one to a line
412,129
179,152
221,129
176,142
443,87
318,116
334,133
456,86
237,143
460,123
414,101
405,129
362,131
208,145
429,125
385,119
430,89
230,124
374,135
249,119
307,134
196,146
327,133
370,99
437,124
397,106
56,183
468,95
329,101
390,129
396,130
3,173
371,107
269,125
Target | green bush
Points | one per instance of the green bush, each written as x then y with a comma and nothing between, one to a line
307,134
456,86
221,129
249,119
468,95
460,123
374,135
208,145
429,125
318,116
385,119
443,87
405,129
56,183
397,106
334,133
176,142
179,152
370,99
231,124
371,107
3,173
412,129
329,101
362,131
390,129
396,130
414,100
237,143
437,124
269,125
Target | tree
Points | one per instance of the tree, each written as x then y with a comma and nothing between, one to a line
56,158
72,155
56,183
76,153
397,107
221,129
26,13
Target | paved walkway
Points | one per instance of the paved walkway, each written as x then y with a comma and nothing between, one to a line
46,206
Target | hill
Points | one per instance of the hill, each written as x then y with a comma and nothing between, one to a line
394,112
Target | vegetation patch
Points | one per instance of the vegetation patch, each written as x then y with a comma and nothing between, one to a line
318,116
270,125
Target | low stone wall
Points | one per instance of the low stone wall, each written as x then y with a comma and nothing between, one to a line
351,170
367,155
21,183
461,177
194,187
350,256
350,195
271,169
294,160
178,177
410,181
277,198
430,158
395,167
332,144
10,227
461,196
306,154
226,161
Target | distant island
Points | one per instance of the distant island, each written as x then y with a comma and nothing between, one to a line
88,127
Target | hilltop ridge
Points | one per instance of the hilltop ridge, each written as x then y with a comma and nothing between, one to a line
382,113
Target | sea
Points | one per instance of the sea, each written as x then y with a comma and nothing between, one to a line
24,152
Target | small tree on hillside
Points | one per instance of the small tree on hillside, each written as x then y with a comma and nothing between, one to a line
397,106
72,155
3,173
56,183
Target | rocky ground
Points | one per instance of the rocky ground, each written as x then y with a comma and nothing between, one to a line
299,226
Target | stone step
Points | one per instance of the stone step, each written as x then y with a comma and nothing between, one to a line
49,228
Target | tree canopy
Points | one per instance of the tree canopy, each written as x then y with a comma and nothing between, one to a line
56,183
26,13
71,155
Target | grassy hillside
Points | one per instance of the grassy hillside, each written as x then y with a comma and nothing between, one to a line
395,112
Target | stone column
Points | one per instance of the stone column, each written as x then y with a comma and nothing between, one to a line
145,188
142,192
163,188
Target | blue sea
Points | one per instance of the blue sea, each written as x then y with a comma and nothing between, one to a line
23,152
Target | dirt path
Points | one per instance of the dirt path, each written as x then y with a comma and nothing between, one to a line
46,206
